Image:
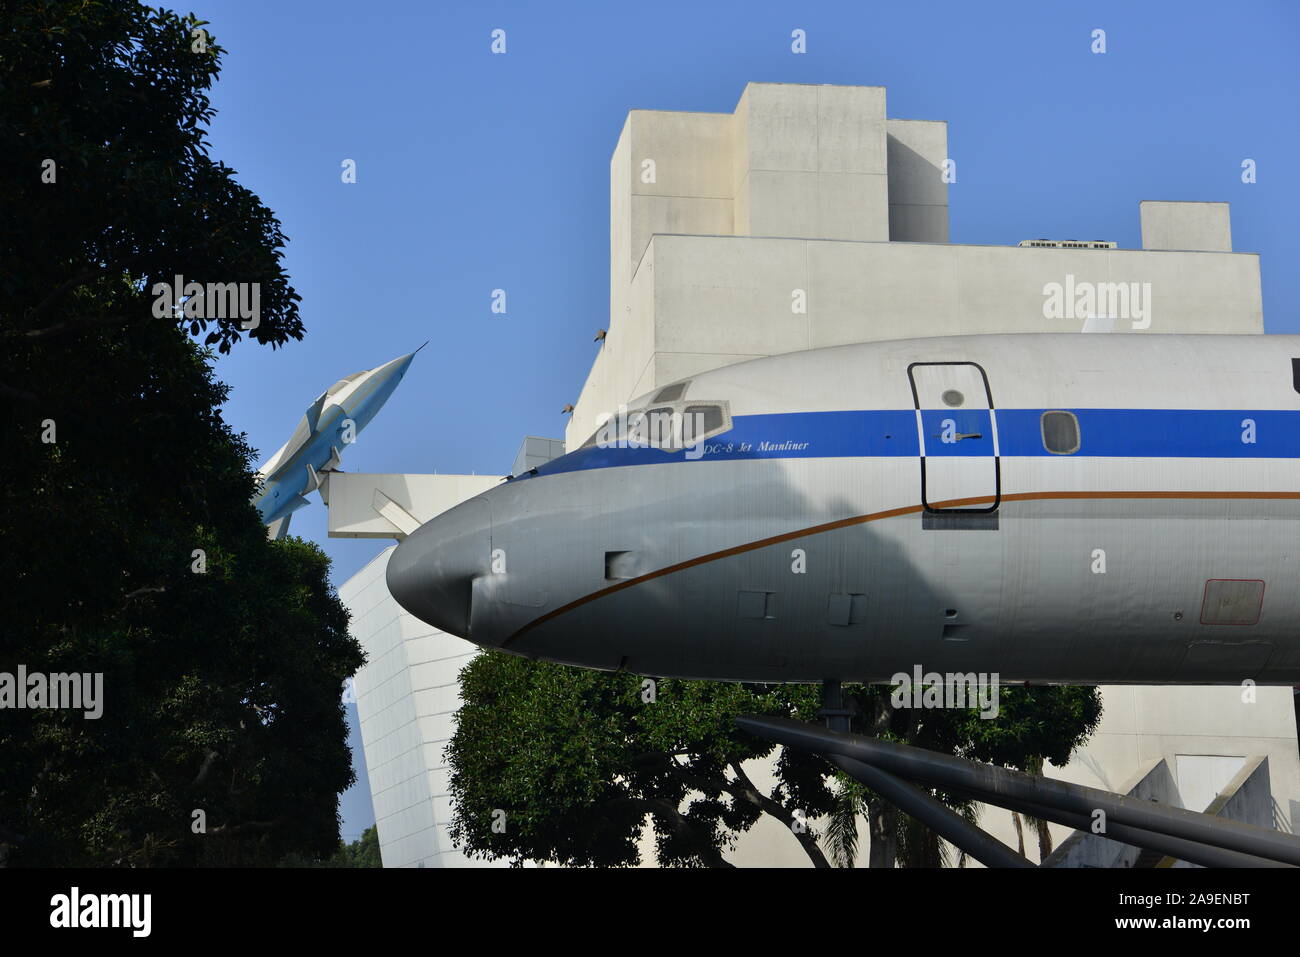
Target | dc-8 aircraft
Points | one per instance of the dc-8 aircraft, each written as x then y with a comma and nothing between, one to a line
1053,507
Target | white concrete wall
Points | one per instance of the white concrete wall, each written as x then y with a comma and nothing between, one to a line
793,160
407,693
535,451
813,188
1196,226
679,175
918,194
701,302
355,500
811,161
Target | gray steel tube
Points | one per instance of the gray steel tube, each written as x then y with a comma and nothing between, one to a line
934,814
945,771
1190,851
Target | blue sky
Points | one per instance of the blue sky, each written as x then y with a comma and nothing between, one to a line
478,171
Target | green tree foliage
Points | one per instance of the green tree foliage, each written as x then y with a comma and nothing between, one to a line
363,852
567,764
560,764
114,96
130,546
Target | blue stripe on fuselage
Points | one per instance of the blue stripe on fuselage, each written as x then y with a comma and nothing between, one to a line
1131,433
1162,433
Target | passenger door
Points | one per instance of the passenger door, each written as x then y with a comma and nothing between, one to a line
957,429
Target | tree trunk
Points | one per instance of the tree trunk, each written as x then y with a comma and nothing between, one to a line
1044,833
882,820
743,789
1044,840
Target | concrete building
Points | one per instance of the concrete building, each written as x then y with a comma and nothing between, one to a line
808,218
407,692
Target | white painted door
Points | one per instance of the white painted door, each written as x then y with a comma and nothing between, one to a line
957,430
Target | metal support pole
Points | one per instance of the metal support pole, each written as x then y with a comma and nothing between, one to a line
933,813
833,712
995,785
1190,851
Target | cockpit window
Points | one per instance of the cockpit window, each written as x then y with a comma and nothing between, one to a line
707,419
671,393
670,427
342,382
658,428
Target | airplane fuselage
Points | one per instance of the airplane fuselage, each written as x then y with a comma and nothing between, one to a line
1052,508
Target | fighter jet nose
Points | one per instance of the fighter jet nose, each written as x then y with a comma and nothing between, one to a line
431,574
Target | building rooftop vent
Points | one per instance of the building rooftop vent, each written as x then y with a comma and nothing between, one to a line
1069,243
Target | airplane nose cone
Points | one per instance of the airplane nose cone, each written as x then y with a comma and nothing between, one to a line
431,574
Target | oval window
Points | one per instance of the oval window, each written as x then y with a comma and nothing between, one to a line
1060,432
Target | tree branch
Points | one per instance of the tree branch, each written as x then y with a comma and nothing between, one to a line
77,324
745,790
80,279
255,827
666,812
20,394
148,589
742,789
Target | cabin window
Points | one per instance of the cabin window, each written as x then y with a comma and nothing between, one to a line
1060,432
